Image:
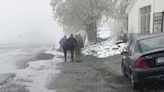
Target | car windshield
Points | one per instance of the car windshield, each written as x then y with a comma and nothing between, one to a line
151,43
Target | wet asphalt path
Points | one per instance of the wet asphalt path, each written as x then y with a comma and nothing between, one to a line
87,74
95,75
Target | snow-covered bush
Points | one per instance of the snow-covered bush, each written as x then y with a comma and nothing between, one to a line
104,49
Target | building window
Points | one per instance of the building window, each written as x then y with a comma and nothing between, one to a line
157,22
145,14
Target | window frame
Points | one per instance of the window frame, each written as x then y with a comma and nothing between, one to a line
145,16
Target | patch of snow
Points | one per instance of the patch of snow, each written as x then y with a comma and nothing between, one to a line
5,77
36,75
104,34
104,49
39,73
42,71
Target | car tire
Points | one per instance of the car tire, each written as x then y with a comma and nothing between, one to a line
123,70
134,85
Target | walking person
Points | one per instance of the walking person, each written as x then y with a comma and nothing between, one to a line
78,45
70,45
62,42
81,43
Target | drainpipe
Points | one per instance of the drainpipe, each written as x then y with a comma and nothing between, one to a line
154,7
153,11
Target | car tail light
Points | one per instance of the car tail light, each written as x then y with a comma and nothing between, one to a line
141,63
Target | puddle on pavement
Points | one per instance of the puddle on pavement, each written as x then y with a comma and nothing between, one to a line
78,61
43,56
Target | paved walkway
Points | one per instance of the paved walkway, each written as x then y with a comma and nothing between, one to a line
87,74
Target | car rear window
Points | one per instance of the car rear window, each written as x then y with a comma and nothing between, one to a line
151,43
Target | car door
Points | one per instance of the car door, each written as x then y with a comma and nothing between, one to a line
129,56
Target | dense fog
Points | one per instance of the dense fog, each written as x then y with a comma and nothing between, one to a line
27,21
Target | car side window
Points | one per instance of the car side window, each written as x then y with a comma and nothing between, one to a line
128,46
131,48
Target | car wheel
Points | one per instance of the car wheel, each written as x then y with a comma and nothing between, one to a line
135,85
123,70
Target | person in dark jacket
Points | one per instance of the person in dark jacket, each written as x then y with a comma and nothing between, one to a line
71,45
81,41
80,44
62,42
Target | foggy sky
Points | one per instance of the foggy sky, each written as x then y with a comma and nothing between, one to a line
27,21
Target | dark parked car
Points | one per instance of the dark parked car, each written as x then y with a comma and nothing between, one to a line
143,60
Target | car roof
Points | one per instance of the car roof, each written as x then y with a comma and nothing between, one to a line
146,36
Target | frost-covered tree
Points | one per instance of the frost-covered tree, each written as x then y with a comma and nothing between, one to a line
120,12
75,15
82,14
120,24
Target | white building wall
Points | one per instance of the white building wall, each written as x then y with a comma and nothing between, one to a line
134,14
159,6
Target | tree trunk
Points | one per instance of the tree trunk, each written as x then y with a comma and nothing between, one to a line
92,33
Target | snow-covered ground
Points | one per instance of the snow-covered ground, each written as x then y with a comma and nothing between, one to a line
105,48
36,75
30,70
27,71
